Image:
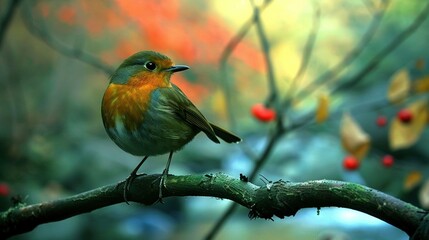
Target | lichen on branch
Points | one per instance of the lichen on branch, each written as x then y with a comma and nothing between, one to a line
279,198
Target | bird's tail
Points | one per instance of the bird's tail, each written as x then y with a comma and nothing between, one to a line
225,135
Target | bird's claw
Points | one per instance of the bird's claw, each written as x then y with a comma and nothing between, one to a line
128,183
161,185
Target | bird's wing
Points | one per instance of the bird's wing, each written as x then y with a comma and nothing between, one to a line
186,110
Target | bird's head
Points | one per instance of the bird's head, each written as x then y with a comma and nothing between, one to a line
146,67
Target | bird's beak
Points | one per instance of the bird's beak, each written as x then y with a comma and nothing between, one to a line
177,68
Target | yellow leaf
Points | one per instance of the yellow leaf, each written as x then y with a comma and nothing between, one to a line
412,179
355,141
424,195
405,134
399,87
218,103
422,85
322,112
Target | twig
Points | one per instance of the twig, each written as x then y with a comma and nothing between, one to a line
308,50
232,44
273,96
12,5
333,73
281,199
369,5
386,51
227,84
57,45
226,53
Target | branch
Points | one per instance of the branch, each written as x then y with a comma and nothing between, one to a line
281,199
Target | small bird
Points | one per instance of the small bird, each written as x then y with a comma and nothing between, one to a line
146,115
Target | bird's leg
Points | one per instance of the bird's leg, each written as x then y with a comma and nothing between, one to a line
164,176
131,178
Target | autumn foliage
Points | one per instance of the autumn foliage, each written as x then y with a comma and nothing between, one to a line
161,27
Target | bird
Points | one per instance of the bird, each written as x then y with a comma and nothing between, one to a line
147,115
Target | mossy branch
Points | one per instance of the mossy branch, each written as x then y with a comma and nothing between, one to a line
280,198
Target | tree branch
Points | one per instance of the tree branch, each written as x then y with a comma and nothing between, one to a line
281,199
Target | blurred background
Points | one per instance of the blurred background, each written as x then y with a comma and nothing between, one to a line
55,62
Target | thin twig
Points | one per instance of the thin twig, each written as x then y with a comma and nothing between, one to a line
333,73
77,53
308,50
377,59
228,87
232,44
273,95
369,5
11,7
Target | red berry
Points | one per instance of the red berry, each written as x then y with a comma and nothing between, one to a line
4,189
388,160
381,121
405,115
263,113
350,163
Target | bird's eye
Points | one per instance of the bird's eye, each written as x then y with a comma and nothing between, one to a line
150,66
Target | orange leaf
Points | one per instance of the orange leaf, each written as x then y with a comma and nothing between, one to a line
404,134
412,179
322,112
399,87
354,139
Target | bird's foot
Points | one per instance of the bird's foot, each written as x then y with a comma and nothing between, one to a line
162,184
127,184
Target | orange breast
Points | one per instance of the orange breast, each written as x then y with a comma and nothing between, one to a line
130,101
122,101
